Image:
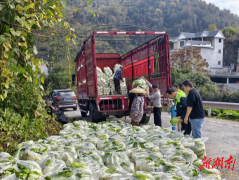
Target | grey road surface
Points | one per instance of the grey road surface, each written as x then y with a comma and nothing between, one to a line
69,112
223,139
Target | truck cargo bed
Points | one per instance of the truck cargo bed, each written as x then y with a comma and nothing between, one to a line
140,53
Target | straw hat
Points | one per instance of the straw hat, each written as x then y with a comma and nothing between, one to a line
138,90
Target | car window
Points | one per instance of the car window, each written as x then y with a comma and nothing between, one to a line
66,93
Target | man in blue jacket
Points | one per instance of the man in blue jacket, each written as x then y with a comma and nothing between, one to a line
117,79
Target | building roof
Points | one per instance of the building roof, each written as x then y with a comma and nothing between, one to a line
186,35
210,33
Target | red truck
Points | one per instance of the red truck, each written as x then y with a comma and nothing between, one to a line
150,59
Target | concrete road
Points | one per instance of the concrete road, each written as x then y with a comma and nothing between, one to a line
223,139
69,112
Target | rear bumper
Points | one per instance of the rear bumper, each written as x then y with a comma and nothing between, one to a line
67,106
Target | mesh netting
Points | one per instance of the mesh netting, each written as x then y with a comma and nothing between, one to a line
121,44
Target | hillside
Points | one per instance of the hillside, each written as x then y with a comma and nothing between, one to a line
174,16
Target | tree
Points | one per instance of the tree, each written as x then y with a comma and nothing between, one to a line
56,51
212,27
189,58
231,44
207,88
22,23
229,32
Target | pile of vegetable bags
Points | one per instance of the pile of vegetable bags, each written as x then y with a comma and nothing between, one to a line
108,150
142,83
105,81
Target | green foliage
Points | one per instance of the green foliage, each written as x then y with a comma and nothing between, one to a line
58,78
230,31
224,114
231,44
59,51
199,80
174,16
212,27
22,113
207,89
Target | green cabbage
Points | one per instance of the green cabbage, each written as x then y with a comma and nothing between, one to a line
78,165
140,175
174,121
108,150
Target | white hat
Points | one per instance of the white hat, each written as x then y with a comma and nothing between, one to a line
138,90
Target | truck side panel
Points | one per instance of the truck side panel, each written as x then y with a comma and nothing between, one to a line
90,67
162,72
81,77
150,59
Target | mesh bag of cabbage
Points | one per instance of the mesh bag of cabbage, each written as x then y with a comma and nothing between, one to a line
108,72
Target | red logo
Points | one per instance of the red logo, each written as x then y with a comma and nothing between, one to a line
229,163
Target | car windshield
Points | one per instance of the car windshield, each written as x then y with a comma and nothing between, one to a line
66,93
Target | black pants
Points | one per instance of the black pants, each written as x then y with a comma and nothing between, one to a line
186,127
157,116
131,99
117,85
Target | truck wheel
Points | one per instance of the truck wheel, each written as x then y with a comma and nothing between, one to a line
83,114
145,119
101,120
93,110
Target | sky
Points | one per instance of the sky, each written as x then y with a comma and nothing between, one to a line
232,5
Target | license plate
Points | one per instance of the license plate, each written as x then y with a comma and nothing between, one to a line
67,99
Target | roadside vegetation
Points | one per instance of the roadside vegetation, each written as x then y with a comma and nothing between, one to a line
209,90
223,114
23,24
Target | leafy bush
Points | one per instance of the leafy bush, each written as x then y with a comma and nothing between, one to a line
207,89
225,114
201,82
22,113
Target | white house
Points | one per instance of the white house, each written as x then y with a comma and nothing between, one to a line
210,43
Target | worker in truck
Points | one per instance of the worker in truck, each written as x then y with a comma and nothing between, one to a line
180,101
156,98
117,79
